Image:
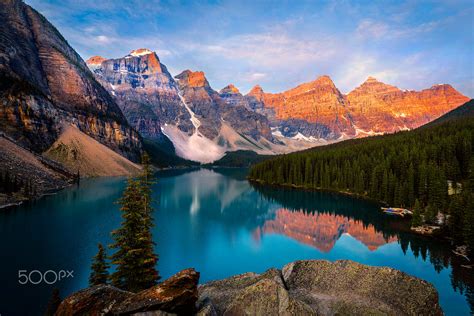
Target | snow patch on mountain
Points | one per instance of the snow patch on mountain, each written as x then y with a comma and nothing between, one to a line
196,122
140,52
195,147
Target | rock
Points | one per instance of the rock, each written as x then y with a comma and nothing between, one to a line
426,229
46,176
251,294
311,287
96,300
318,287
145,91
346,287
318,102
382,108
266,297
319,109
206,309
176,295
44,83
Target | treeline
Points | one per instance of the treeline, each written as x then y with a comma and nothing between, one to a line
12,184
402,170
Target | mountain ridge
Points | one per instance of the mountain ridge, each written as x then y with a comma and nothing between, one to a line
313,113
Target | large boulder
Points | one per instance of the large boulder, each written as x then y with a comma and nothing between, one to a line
319,287
347,287
250,294
96,300
176,295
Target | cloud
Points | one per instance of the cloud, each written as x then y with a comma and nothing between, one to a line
266,49
371,29
408,44
103,39
257,76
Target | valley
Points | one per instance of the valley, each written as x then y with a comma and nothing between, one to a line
123,165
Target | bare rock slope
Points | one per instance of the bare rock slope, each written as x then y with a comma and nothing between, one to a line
81,153
39,175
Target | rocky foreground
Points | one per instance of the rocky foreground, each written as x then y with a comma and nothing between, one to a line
312,287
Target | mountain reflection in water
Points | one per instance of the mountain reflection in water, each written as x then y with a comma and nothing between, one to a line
321,231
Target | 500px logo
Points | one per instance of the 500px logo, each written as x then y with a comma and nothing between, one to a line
48,277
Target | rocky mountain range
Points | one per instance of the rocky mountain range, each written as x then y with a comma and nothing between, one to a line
203,123
318,109
46,87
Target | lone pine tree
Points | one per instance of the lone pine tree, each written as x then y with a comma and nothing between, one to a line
134,257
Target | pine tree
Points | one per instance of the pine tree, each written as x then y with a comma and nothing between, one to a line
468,228
430,213
134,257
411,185
146,179
416,218
99,273
456,218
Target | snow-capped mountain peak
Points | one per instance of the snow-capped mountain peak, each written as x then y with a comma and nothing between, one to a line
140,52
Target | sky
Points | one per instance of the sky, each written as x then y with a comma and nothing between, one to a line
280,44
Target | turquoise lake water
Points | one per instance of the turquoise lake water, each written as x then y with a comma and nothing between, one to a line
218,223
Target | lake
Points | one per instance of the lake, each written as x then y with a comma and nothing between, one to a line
218,223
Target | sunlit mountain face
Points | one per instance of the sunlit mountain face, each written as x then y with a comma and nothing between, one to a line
321,231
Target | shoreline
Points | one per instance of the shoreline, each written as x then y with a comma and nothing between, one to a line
441,236
303,188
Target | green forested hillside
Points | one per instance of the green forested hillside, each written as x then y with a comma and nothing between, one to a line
398,169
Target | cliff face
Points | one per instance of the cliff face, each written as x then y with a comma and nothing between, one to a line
212,108
144,90
320,110
45,84
382,108
315,109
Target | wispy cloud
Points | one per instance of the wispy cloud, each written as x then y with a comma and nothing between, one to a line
407,43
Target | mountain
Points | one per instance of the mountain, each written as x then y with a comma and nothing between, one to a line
201,123
459,113
404,169
381,108
25,174
145,91
44,84
232,96
208,105
318,110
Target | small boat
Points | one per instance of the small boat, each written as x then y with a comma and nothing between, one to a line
397,211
